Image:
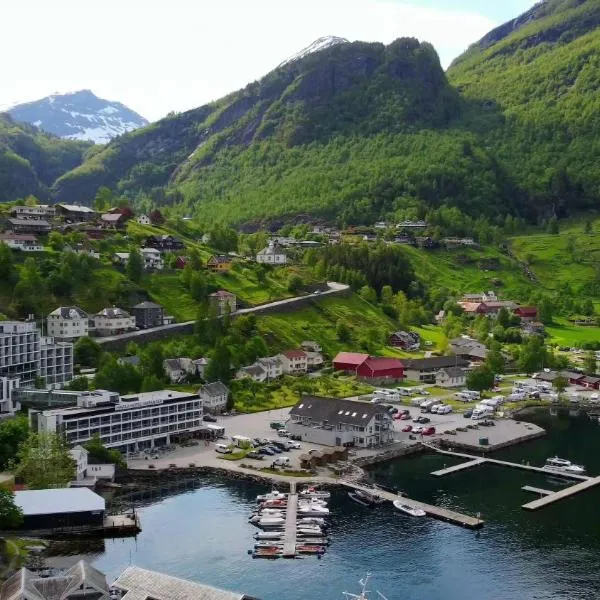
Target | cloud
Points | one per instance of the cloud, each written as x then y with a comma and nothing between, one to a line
158,55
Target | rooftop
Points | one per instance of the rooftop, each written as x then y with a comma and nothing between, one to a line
214,389
147,304
62,500
76,208
352,358
113,313
435,362
336,410
69,312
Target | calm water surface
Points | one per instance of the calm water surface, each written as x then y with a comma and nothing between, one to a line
551,554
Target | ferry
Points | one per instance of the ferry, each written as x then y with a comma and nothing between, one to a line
561,465
409,510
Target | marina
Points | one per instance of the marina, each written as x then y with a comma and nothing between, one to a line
562,494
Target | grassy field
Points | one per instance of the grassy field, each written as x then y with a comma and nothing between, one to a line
552,260
564,333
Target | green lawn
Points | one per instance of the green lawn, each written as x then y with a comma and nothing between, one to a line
564,333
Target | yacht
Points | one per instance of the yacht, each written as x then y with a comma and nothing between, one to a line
273,495
561,465
409,510
314,510
313,492
365,498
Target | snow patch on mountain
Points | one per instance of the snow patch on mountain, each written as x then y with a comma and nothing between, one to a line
79,116
319,44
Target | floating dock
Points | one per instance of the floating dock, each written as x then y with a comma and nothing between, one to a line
562,494
437,512
291,523
535,490
459,467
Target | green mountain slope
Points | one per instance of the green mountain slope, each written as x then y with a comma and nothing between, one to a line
541,72
30,161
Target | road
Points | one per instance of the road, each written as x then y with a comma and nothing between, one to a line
188,326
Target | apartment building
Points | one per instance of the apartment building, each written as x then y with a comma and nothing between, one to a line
56,362
128,423
19,351
8,387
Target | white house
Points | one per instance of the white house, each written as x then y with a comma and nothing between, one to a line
255,372
103,471
143,220
214,397
113,321
80,455
294,362
314,360
272,365
222,301
273,254
153,259
451,377
177,369
68,323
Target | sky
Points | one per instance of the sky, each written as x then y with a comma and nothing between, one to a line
158,56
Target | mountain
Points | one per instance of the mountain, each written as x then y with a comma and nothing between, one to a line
30,160
79,116
319,44
352,130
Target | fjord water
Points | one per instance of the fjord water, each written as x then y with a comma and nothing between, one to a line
550,554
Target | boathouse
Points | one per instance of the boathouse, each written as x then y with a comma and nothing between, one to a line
63,507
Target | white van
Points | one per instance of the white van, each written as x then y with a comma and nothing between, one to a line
427,405
282,461
444,409
463,397
222,449
404,391
241,441
475,395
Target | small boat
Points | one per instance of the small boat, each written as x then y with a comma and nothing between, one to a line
267,544
562,465
268,535
308,549
309,531
272,495
314,541
311,521
269,521
267,553
311,502
313,492
271,512
273,504
364,593
313,511
365,498
413,511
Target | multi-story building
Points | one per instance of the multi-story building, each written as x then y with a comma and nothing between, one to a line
148,314
294,362
40,211
8,387
153,259
127,423
223,301
273,254
113,321
68,323
214,397
19,351
56,362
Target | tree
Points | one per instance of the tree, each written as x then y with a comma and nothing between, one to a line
387,294
44,461
219,365
532,354
587,308
103,199
13,431
368,293
8,273
151,383
343,332
87,352
587,227
11,516
589,363
30,291
99,453
294,284
156,217
560,384
481,378
503,318
545,311
56,241
135,266
553,226
152,360
495,360
124,379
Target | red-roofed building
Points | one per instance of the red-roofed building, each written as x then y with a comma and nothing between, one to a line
349,361
381,369
473,308
526,313
294,362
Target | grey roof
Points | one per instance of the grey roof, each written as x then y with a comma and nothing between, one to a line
25,585
272,249
172,364
254,370
69,312
453,371
273,361
147,304
113,313
142,584
34,222
61,500
547,375
76,208
435,362
214,389
336,410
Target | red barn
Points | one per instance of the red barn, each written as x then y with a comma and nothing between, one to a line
527,313
349,361
381,368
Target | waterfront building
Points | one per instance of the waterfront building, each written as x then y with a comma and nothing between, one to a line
214,397
88,474
338,422
80,582
141,584
68,323
60,507
128,423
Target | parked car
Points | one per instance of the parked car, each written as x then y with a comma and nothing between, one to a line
266,450
468,414
281,445
282,461
275,449
429,431
222,449
417,430
293,445
283,433
405,416
422,420
209,418
254,454
407,428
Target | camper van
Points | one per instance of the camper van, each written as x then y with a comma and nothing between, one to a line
222,449
241,441
428,404
481,412
464,397
386,394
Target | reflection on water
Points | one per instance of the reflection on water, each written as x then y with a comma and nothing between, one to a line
203,534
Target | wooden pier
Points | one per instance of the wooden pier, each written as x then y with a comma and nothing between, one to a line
535,490
459,467
291,523
437,512
562,494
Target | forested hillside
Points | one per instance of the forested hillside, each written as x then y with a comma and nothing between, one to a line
30,161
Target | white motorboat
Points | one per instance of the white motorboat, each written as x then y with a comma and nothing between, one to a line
268,544
311,521
270,521
273,495
364,593
313,492
313,511
409,510
562,465
310,531
271,512
311,501
269,535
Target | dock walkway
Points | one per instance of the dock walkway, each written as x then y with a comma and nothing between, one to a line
437,512
562,494
291,524
459,467
536,490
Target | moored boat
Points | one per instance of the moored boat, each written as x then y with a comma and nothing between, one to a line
365,498
413,511
272,495
268,535
311,521
562,465
313,492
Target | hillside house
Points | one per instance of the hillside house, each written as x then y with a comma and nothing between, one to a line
153,259
494,307
381,370
272,366
526,313
113,220
143,220
164,243
74,213
214,397
424,370
148,314
294,362
113,321
179,369
223,301
219,263
21,241
273,254
34,226
473,308
407,340
469,349
68,323
450,377
254,372
349,361
39,211
482,297
337,422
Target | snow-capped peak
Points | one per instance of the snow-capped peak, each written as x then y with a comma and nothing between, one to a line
320,44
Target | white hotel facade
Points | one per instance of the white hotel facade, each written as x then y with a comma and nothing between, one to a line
127,423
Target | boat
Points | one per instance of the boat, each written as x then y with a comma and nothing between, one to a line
364,593
273,504
268,544
312,511
314,530
314,541
274,512
268,535
562,465
311,502
267,553
365,498
311,521
413,511
269,521
308,549
313,492
272,495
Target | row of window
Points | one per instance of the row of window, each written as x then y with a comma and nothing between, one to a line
112,438
129,420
